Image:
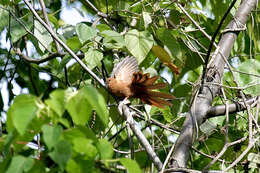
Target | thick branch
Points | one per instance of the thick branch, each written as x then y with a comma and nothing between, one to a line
202,104
219,110
125,111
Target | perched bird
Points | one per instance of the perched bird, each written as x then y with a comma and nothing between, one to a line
127,81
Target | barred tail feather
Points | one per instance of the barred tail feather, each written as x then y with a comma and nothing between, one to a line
156,86
155,101
143,85
150,81
160,94
152,102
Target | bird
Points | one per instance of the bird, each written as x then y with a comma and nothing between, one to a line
126,81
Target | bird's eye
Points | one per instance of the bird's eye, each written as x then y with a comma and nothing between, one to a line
109,79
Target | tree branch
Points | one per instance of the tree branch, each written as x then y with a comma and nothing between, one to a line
64,45
39,61
103,15
202,104
47,21
125,111
219,110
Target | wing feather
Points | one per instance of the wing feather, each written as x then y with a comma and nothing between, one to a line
125,69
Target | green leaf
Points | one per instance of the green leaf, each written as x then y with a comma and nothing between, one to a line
12,134
64,62
147,19
42,35
139,43
78,165
74,43
17,30
61,153
168,40
208,127
130,165
22,111
51,134
53,20
113,40
85,32
168,116
105,149
251,67
98,103
79,108
57,101
103,27
19,164
3,19
253,157
73,167
79,132
93,58
85,147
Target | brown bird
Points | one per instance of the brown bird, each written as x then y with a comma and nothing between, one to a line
128,82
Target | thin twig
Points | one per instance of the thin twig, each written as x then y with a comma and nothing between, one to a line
130,141
212,42
64,45
45,15
167,159
26,29
42,60
226,135
242,155
195,23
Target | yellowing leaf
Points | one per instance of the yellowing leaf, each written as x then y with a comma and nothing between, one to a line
165,58
161,54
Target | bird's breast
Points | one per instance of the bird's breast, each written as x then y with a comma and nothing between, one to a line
120,89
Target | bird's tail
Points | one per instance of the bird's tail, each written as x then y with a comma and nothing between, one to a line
144,84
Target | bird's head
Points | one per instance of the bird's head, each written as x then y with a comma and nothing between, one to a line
110,82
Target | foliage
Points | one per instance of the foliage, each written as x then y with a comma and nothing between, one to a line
74,121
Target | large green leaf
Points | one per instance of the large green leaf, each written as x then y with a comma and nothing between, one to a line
3,19
139,43
85,147
22,111
79,132
20,164
57,101
61,153
170,42
97,102
103,27
51,134
42,35
105,149
85,32
251,67
79,108
113,40
74,43
147,19
17,30
130,165
93,58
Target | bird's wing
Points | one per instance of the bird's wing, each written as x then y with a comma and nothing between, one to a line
124,70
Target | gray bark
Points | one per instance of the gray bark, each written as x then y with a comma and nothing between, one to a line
202,103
